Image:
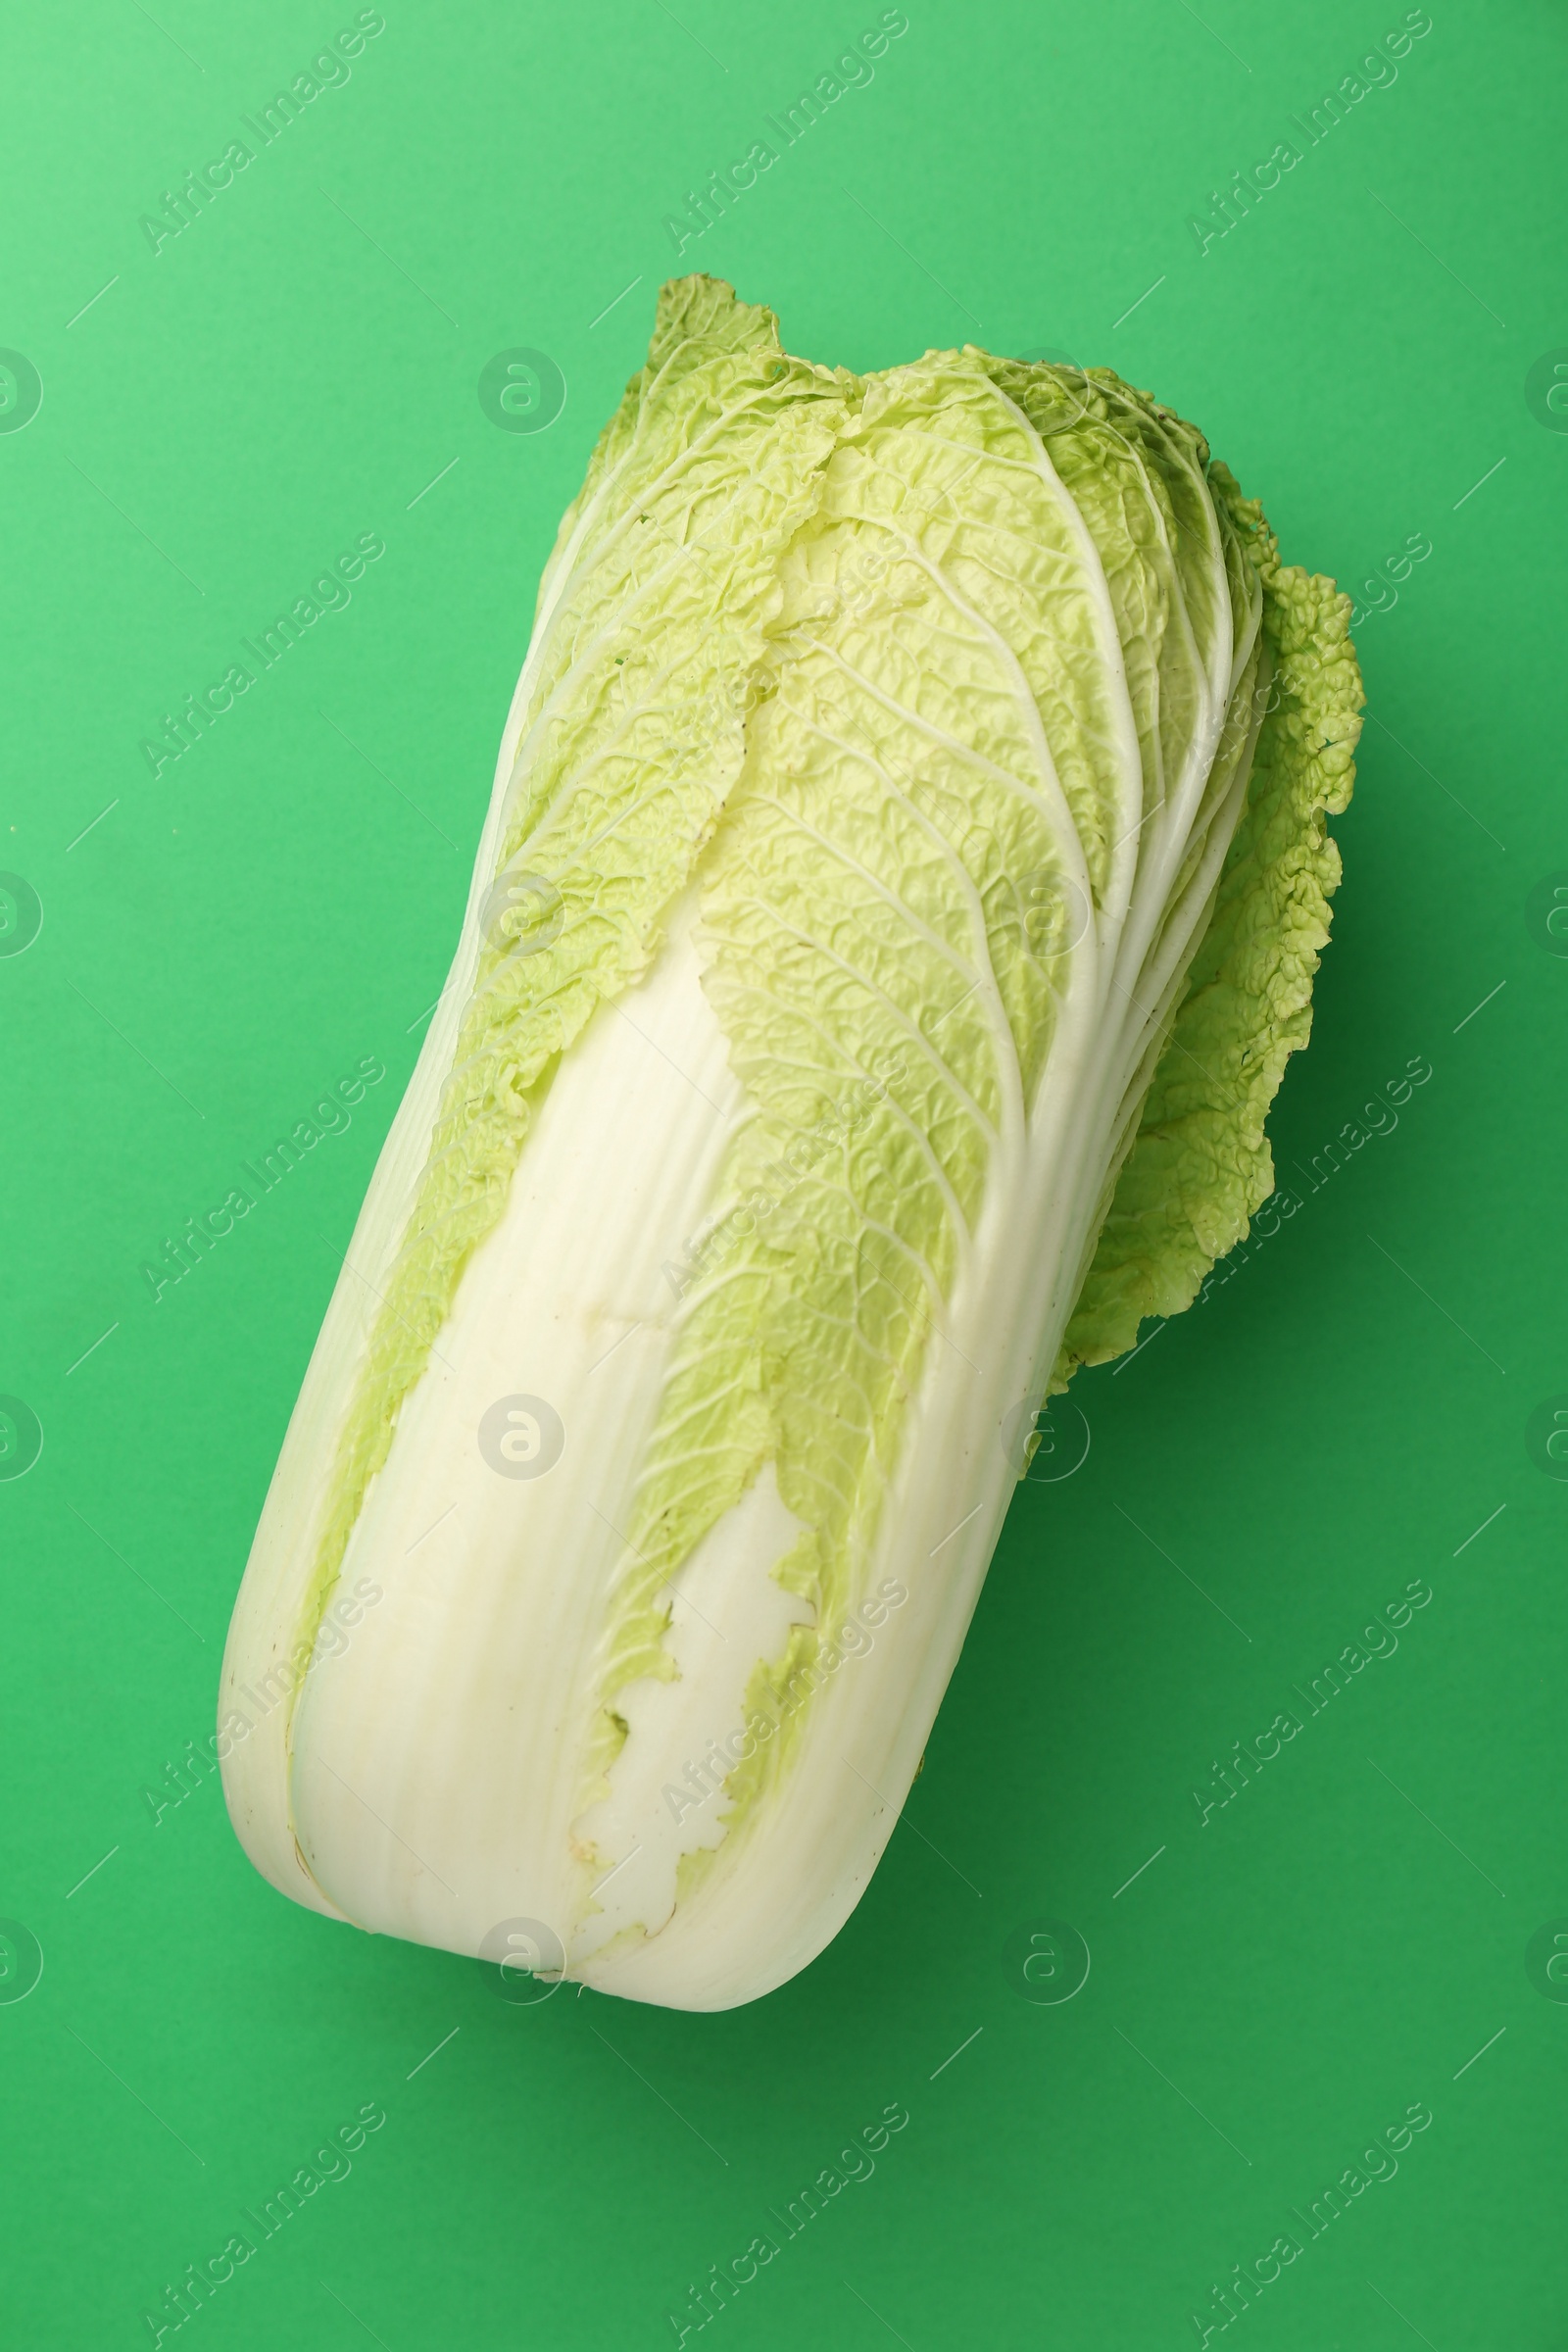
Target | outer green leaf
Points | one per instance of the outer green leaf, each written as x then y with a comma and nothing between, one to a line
1201,1164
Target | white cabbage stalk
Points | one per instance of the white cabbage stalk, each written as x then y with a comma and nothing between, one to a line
901,891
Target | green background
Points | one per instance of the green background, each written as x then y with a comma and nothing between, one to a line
1333,1421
